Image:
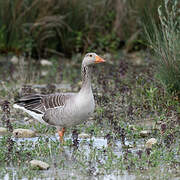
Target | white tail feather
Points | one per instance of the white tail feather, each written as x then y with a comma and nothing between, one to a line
31,113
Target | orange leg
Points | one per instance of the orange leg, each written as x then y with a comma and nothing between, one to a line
61,134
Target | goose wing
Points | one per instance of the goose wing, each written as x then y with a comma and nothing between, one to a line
39,103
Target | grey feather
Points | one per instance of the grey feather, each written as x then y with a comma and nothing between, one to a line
64,109
40,103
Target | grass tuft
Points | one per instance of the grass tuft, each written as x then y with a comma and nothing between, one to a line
164,39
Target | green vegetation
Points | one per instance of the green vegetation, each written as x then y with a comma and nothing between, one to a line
44,28
128,89
124,108
164,39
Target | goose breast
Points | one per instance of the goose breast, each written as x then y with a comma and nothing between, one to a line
76,110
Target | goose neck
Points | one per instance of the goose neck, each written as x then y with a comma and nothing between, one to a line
86,77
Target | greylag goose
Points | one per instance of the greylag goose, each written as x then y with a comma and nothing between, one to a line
64,110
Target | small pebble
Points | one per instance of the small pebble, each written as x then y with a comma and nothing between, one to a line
44,73
84,136
24,133
144,133
150,142
39,164
45,62
14,60
26,119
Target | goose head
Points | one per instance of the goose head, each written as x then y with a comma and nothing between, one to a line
92,58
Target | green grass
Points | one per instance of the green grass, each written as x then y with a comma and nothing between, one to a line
129,99
164,40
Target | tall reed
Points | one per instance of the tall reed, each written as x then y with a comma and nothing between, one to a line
164,39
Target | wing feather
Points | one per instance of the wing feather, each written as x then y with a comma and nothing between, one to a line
40,103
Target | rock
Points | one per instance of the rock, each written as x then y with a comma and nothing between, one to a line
132,127
14,60
3,131
45,62
84,136
144,133
150,142
26,119
23,133
91,118
44,73
39,164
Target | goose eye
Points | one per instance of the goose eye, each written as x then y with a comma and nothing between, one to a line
90,55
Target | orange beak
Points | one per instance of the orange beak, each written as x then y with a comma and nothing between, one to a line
99,59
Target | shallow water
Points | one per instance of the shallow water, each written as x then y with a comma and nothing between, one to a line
75,155
64,174
85,146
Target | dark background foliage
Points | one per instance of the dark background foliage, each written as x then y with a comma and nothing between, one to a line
46,27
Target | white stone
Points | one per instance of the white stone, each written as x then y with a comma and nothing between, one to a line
26,119
144,133
14,60
150,142
45,62
3,131
44,73
39,164
23,133
84,136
